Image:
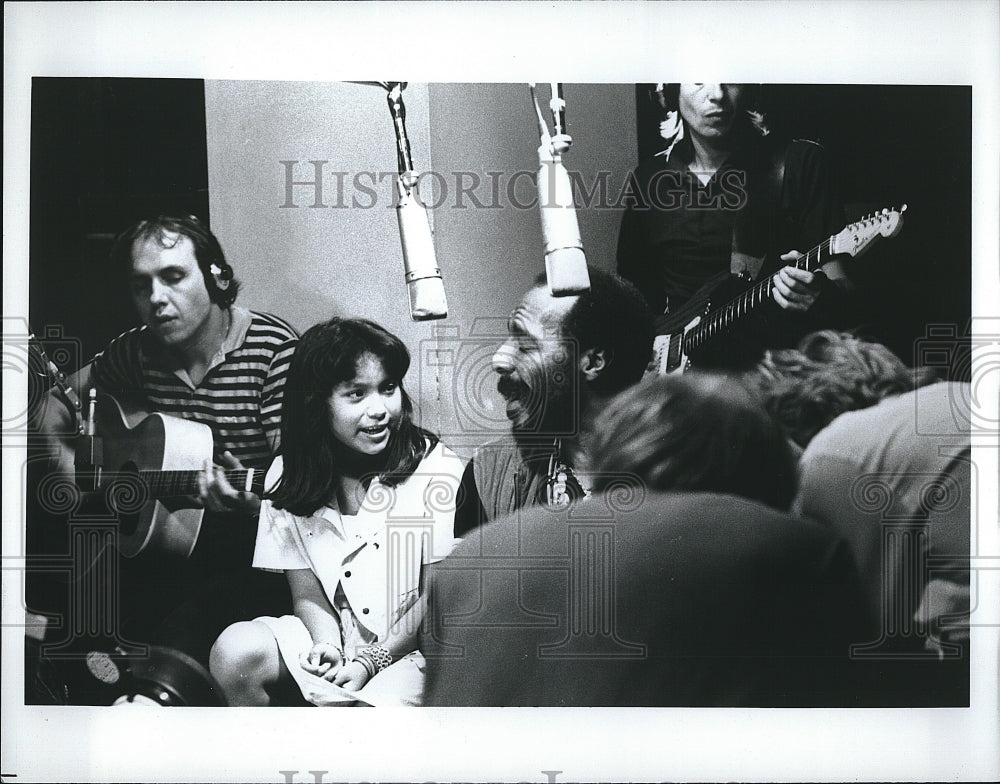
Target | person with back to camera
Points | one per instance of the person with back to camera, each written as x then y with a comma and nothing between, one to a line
887,464
357,480
709,593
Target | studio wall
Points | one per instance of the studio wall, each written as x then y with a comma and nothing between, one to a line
308,259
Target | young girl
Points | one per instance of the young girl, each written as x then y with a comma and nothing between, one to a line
363,499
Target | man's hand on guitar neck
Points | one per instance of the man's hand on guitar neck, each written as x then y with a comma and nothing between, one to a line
218,495
796,289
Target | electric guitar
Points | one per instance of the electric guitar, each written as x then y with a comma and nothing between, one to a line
699,322
149,477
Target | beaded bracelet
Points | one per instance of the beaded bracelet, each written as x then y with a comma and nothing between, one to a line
374,658
365,662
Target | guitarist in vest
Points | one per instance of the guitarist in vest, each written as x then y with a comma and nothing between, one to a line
201,358
725,197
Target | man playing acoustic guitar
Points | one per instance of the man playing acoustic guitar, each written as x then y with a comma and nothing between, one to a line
200,358
725,197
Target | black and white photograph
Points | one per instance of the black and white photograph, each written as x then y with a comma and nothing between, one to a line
609,428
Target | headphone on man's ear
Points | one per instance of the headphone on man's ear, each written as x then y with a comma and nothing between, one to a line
222,275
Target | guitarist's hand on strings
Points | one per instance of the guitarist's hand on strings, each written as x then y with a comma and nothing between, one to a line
796,289
218,495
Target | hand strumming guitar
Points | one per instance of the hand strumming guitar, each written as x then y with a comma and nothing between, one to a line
216,492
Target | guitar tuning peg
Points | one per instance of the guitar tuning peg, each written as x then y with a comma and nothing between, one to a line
902,209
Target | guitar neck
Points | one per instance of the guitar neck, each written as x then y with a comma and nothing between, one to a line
748,300
168,484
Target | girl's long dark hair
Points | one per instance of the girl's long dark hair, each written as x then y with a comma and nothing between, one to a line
326,356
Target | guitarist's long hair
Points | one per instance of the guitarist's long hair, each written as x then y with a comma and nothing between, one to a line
665,102
326,356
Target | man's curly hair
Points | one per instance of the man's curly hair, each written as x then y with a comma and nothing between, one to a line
828,374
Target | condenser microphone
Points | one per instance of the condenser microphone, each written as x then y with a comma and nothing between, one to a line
420,267
565,261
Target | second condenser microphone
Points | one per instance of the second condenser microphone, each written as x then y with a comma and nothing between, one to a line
420,268
565,261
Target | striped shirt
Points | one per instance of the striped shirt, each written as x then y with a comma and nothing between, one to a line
239,398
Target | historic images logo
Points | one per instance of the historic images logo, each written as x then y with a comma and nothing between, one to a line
323,188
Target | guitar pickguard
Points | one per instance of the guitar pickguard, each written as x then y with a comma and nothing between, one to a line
669,354
669,357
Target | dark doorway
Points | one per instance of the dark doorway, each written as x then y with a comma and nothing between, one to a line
104,153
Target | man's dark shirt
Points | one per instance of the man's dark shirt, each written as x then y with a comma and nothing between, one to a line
767,199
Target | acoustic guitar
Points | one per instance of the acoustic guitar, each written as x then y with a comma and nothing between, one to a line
149,477
701,321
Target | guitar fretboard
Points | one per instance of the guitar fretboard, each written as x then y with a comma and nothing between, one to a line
721,319
167,484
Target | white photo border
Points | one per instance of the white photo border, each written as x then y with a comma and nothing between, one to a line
832,42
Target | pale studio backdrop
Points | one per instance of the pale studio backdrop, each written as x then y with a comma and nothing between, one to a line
308,263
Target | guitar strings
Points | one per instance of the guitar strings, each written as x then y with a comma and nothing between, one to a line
753,296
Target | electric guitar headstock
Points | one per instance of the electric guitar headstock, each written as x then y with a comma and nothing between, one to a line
856,237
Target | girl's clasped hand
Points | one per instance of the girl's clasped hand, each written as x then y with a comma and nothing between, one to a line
323,660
